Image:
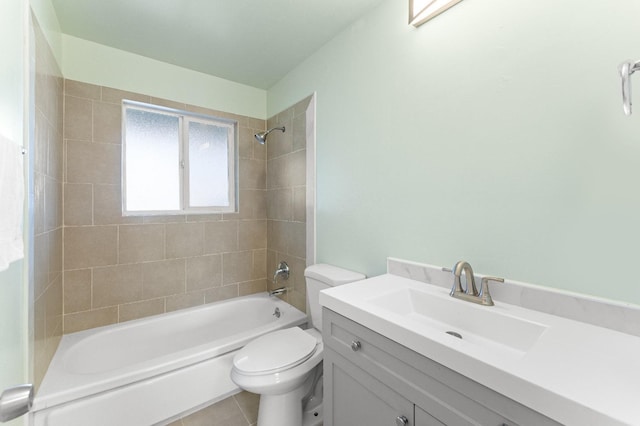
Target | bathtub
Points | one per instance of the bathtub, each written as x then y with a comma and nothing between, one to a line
152,370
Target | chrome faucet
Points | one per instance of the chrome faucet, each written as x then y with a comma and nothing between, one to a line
278,292
283,269
482,297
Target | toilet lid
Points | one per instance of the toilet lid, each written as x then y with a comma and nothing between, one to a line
275,351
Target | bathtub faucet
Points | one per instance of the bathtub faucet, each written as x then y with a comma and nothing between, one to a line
278,291
283,269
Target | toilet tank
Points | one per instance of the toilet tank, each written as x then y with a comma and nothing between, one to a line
319,277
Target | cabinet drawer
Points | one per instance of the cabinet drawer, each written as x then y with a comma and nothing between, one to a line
446,395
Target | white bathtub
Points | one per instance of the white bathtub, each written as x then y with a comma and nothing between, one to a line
151,370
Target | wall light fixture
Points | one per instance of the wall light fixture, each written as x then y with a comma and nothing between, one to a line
420,11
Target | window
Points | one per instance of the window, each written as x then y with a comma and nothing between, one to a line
175,162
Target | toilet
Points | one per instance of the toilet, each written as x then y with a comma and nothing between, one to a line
285,366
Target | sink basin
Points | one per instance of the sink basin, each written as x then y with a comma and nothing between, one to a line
542,361
490,327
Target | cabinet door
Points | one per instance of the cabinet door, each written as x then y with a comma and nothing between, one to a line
444,396
357,399
425,419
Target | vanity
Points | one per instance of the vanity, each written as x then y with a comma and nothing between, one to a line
397,386
401,351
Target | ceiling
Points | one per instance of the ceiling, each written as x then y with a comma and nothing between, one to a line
254,42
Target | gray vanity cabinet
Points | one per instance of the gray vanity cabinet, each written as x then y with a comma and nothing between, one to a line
359,399
370,380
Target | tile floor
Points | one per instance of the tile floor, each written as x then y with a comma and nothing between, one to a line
237,410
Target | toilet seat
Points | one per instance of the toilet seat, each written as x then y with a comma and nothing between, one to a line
275,352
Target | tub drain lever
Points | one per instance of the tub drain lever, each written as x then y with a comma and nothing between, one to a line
15,401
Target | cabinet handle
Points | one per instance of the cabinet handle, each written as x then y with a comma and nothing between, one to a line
402,421
355,346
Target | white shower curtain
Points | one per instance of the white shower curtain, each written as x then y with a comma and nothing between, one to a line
11,202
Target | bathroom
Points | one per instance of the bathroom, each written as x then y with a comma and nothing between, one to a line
492,133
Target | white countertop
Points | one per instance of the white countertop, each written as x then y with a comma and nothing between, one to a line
575,373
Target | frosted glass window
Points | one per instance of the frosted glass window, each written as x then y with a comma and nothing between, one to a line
175,162
152,167
208,168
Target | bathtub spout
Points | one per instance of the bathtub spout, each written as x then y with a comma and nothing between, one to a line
278,291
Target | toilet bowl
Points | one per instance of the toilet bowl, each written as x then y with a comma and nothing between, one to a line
285,366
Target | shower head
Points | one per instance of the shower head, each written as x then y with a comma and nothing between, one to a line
262,136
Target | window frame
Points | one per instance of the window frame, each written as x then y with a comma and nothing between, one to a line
184,117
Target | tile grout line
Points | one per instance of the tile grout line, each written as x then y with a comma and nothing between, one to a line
246,418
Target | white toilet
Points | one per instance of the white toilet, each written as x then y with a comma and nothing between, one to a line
284,366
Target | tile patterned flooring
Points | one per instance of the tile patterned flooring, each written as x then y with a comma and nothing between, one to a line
237,410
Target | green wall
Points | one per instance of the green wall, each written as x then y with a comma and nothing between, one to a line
105,66
493,133
48,21
13,330
13,291
12,33
93,63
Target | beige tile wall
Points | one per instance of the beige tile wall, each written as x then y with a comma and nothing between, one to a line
121,268
48,172
117,269
286,199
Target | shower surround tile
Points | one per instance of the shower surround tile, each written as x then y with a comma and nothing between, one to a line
78,204
286,199
136,310
90,319
120,268
221,236
140,243
48,149
204,272
90,246
77,290
163,278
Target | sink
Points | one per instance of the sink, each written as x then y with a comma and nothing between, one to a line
542,361
490,327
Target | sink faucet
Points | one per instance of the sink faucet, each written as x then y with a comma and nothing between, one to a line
482,297
458,269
